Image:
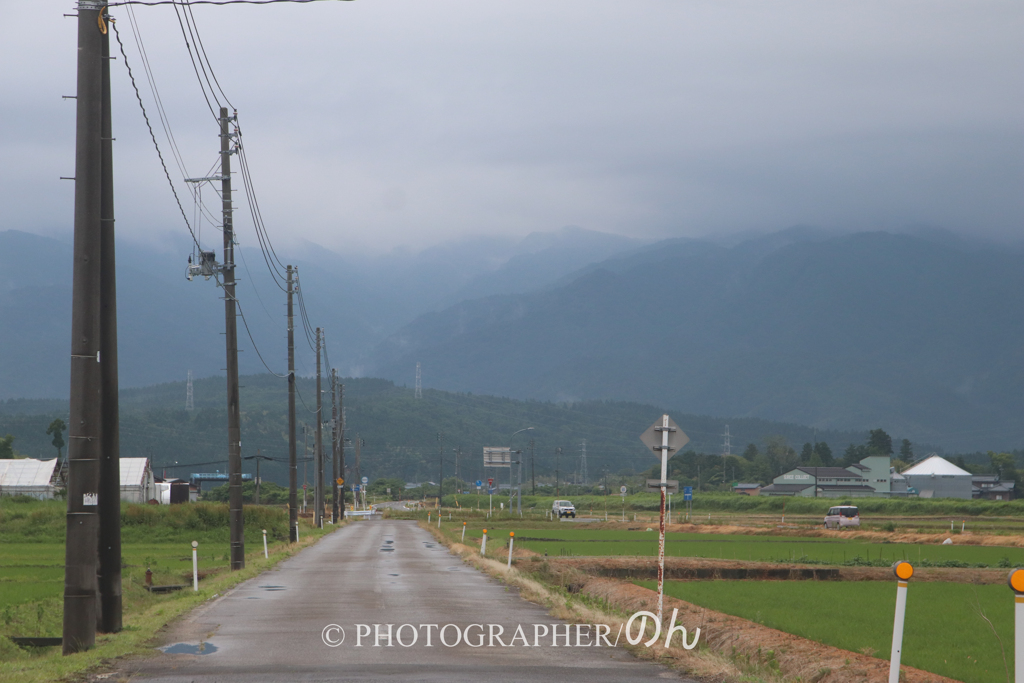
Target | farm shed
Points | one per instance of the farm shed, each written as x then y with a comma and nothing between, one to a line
27,477
936,477
136,480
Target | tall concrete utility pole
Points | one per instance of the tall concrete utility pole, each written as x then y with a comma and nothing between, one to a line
85,410
533,473
440,465
334,446
235,513
293,469
109,575
318,444
359,453
190,403
341,449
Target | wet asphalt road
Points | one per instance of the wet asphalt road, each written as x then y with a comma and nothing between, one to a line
379,572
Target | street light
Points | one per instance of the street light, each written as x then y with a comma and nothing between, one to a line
519,489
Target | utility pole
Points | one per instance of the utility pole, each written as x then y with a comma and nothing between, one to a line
109,575
341,449
458,479
583,462
85,428
440,465
558,452
190,403
236,517
305,459
533,473
359,445
257,458
318,486
418,393
334,446
293,470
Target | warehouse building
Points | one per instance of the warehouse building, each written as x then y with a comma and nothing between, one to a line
936,477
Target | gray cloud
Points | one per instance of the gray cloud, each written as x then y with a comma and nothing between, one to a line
378,124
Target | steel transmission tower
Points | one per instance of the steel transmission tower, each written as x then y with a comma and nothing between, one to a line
726,445
189,402
419,381
583,462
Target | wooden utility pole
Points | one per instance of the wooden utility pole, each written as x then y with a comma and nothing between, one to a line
341,448
533,473
109,570
318,485
440,468
293,471
235,513
85,427
334,446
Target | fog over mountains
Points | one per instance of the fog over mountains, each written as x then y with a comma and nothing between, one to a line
918,333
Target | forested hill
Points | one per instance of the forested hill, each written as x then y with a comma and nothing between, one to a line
400,431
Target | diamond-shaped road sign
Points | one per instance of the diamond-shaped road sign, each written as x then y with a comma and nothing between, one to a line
676,438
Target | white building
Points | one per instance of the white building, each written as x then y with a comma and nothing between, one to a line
27,477
936,477
137,484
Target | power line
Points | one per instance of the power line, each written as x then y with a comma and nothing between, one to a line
154,3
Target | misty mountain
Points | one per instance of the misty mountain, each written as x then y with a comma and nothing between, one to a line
168,325
913,333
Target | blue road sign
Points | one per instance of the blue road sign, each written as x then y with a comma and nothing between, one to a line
355,487
491,490
479,483
687,493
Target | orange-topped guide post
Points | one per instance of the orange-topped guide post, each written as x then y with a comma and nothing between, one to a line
903,571
1016,582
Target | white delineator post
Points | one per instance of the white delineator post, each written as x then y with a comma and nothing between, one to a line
903,571
1016,581
483,543
266,555
463,532
195,565
661,524
511,540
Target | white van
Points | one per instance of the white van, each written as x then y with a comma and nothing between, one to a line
563,508
842,515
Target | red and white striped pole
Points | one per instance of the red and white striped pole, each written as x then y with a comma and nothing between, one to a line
903,571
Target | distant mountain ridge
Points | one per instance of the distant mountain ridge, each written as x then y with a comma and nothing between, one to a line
168,325
916,334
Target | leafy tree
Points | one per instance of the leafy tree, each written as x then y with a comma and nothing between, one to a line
1003,464
807,453
824,453
899,465
780,454
751,452
57,429
879,443
854,454
906,451
7,447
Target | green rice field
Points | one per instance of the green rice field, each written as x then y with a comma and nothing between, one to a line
945,631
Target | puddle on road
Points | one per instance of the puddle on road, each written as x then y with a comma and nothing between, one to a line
392,574
189,649
387,550
273,588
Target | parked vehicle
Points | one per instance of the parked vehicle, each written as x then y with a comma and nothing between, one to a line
841,516
563,508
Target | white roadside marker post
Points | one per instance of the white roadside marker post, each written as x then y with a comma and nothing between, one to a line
266,555
439,521
1016,581
903,571
463,532
511,540
195,565
483,544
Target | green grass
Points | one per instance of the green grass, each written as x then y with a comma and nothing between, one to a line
944,633
154,537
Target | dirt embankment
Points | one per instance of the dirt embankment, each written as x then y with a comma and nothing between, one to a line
966,538
697,568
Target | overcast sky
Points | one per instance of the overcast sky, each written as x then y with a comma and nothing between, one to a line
383,123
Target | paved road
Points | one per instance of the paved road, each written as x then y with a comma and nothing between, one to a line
379,572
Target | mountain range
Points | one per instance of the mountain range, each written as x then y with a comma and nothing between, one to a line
918,333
